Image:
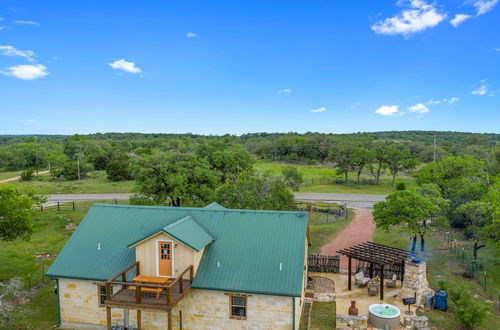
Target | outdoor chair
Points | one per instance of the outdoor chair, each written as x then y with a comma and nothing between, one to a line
360,279
391,282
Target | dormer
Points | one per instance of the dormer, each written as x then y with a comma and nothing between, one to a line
171,250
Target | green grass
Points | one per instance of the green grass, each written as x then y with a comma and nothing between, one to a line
19,259
324,179
323,315
96,182
7,174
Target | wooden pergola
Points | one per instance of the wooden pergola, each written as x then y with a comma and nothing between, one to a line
375,254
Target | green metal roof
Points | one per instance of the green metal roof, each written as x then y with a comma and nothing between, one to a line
215,206
187,231
253,251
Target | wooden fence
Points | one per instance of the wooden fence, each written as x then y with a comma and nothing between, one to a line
323,264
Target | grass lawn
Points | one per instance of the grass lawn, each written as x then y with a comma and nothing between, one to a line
7,174
324,179
443,265
96,182
323,315
29,259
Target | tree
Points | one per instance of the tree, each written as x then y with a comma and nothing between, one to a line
118,169
256,192
228,160
379,163
72,170
16,211
398,159
343,157
292,177
361,158
408,208
172,177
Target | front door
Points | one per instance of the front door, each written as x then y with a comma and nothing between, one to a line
164,258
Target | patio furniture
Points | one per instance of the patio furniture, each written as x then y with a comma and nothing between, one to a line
391,282
360,279
151,280
373,289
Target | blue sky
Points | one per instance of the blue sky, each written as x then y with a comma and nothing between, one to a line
217,67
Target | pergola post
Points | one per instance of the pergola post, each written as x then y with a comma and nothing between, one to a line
169,317
139,321
371,270
402,271
108,317
349,261
382,282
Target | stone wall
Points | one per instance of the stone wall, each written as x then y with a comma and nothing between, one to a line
201,309
415,322
414,281
351,322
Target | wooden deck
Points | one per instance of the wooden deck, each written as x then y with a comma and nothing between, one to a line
149,300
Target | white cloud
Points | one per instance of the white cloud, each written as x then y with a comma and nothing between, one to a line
31,120
191,35
387,110
322,109
284,91
21,22
497,49
459,19
481,89
13,51
419,108
445,101
484,6
27,71
125,66
418,17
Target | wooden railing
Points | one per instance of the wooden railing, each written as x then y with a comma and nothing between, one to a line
147,295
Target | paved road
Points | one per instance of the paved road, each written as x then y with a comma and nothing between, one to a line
358,201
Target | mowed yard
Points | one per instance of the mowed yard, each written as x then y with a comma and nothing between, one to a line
325,179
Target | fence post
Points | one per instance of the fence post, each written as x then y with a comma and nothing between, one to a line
73,206
41,207
58,209
345,210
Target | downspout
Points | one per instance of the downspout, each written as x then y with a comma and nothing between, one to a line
58,304
293,313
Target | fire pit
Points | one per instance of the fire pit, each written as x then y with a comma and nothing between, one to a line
384,316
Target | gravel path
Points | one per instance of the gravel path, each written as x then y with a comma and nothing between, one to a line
357,201
358,231
18,177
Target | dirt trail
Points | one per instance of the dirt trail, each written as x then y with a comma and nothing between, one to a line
358,231
18,177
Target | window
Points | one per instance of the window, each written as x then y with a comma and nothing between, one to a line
238,306
102,294
165,251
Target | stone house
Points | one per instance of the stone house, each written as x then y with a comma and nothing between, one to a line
149,267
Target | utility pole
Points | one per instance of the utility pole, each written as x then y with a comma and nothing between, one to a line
78,165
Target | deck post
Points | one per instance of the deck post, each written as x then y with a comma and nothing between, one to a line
181,285
169,316
382,282
137,294
169,296
139,325
191,273
108,317
349,261
108,291
138,269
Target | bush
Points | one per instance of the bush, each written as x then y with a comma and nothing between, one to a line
469,312
400,186
118,170
27,174
69,170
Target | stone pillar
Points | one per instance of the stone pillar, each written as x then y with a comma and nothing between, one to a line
415,281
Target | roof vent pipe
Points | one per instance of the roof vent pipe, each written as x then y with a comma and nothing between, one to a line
98,246
218,264
281,266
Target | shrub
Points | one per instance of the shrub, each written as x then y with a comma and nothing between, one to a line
400,186
69,170
27,174
469,312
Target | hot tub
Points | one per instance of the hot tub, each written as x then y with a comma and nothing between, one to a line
384,316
